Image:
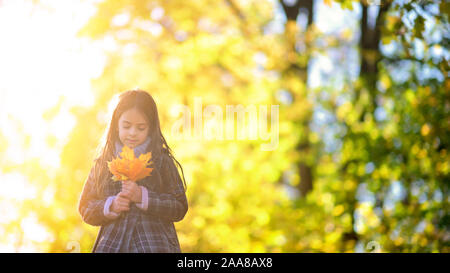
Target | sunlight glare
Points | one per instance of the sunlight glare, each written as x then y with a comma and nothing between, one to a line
42,62
34,231
16,186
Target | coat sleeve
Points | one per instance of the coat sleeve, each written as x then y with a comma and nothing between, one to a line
171,206
90,206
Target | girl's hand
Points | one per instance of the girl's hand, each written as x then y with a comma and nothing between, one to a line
131,191
120,203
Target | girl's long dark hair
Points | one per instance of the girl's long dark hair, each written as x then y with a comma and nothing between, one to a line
144,102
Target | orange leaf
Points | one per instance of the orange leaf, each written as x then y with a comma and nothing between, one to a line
129,167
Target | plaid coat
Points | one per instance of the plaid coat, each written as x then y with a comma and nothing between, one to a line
137,230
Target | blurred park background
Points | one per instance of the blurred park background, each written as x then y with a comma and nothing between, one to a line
362,160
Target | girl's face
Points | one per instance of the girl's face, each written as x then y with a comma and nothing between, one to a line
133,128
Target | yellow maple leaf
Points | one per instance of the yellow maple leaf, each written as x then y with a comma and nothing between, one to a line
127,153
128,167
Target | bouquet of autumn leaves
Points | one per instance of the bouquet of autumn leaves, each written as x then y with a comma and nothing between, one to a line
128,167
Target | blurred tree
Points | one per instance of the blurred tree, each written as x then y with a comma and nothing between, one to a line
380,146
365,94
295,77
384,183
181,51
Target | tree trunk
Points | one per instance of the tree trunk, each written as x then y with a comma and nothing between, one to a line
303,146
370,57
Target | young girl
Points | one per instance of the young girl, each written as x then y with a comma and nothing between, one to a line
135,216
